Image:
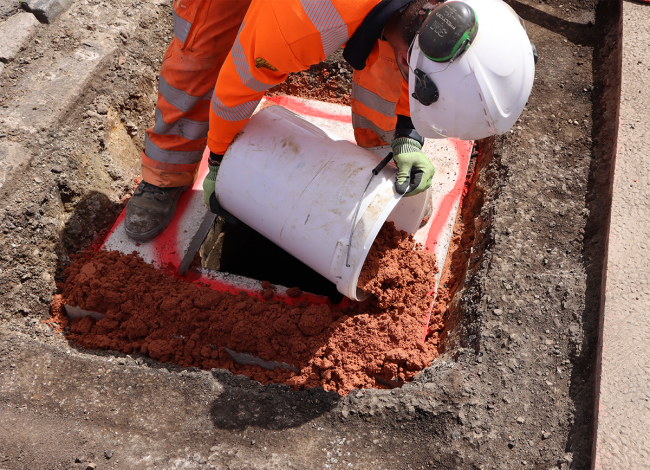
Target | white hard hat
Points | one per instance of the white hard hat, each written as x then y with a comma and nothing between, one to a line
471,70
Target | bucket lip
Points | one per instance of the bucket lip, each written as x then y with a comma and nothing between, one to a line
355,269
352,289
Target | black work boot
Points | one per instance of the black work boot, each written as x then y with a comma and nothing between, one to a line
150,210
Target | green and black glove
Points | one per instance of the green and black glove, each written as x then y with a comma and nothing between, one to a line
208,182
414,170
208,190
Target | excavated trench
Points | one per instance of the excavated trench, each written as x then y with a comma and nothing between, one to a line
340,345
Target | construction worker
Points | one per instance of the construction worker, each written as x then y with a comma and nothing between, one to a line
461,69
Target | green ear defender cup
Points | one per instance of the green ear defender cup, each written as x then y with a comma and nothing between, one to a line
448,31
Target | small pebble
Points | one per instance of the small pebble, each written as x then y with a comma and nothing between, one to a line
108,454
102,108
294,292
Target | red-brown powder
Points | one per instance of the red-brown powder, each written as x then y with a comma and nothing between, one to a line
172,320
58,317
316,85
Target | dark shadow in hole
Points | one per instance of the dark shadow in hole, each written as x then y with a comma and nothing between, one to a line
577,33
248,253
244,404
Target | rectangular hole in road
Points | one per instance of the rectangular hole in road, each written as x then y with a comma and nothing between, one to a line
238,249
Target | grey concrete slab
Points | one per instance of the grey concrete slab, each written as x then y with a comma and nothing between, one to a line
15,32
623,436
46,10
13,158
180,241
47,93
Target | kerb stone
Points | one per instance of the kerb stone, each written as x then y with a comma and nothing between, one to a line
46,10
176,246
622,440
14,33
49,92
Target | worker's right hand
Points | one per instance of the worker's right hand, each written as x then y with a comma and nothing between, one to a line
414,170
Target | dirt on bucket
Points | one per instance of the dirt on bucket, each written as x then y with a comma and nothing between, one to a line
375,343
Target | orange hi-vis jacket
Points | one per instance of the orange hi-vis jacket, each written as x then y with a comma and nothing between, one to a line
247,47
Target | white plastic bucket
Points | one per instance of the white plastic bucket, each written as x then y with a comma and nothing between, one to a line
299,186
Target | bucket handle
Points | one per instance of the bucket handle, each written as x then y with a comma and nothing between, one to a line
375,172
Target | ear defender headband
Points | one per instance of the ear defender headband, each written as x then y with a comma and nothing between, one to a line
446,33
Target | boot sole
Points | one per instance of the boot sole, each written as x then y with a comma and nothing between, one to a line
153,233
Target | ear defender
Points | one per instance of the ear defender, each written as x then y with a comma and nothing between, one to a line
446,33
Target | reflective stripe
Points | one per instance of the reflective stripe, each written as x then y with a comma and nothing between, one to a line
334,39
243,69
154,152
333,30
178,98
360,122
186,128
236,113
373,100
181,27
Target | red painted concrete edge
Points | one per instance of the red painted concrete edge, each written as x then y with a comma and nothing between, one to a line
297,106
463,149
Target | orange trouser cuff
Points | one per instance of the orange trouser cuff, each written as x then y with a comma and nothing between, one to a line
168,175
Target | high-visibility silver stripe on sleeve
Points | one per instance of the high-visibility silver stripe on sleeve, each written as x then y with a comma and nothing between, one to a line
178,98
334,39
373,100
181,27
154,152
236,113
332,28
186,128
243,69
323,14
360,122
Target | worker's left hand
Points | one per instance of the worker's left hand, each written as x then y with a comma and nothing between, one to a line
414,170
208,182
209,196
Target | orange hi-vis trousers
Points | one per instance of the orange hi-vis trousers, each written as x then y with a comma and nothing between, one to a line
227,53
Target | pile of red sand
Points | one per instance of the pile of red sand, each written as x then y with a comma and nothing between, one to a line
316,86
369,344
